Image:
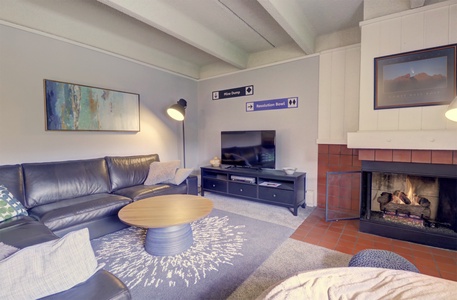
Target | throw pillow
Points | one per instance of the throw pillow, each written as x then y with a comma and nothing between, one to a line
9,205
6,250
180,176
161,171
48,268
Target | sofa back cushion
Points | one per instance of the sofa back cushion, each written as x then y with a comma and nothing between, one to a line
54,181
11,178
125,171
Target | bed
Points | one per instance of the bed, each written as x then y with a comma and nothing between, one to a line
361,283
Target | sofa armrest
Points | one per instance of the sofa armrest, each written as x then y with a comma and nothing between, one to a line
192,185
102,285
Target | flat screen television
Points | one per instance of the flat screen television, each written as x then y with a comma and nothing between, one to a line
251,148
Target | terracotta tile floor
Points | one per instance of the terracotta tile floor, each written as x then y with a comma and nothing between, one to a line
344,236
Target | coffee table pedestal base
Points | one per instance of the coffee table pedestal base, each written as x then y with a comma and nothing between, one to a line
169,240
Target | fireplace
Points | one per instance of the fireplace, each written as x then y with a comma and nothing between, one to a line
413,202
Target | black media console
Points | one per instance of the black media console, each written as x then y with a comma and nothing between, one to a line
265,185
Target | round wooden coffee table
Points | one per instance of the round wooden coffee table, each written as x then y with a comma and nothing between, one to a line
168,221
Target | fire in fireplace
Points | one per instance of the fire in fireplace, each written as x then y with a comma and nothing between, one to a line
409,201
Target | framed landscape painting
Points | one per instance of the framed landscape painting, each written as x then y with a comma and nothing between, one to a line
72,106
417,78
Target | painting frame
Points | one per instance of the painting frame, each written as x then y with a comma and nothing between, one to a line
77,107
403,80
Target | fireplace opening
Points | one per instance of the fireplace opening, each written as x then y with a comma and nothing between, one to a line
411,202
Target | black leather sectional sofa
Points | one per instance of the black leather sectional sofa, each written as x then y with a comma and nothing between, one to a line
69,195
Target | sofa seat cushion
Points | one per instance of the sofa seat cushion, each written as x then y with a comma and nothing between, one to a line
145,191
24,231
70,212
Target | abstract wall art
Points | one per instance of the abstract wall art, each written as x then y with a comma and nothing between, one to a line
75,107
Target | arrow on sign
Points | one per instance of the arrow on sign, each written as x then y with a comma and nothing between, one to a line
249,106
235,92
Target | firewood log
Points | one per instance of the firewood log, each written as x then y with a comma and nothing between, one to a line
402,197
424,202
384,198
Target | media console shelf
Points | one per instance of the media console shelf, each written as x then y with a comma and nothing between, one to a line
266,185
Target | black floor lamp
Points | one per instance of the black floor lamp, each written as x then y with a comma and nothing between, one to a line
178,112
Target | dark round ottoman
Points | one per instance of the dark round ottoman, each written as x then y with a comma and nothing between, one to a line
381,259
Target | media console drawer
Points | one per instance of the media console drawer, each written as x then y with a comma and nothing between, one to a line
243,189
214,184
276,195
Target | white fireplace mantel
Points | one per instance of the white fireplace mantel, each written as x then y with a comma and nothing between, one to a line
417,140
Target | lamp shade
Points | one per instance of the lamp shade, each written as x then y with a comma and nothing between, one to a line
178,111
451,112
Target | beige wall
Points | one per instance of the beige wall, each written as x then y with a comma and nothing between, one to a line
339,86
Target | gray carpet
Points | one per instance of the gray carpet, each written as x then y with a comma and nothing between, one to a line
239,251
260,211
290,258
227,249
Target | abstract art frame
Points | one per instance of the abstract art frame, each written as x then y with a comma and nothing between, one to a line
75,107
416,78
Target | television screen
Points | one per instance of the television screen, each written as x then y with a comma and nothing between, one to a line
254,148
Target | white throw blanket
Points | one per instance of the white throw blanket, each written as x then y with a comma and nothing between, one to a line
362,283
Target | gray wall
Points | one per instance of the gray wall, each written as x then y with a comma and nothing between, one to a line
27,58
296,128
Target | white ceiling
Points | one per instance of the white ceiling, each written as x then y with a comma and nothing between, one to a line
231,31
195,38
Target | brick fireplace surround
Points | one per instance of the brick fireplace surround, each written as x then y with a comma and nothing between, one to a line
344,236
337,158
